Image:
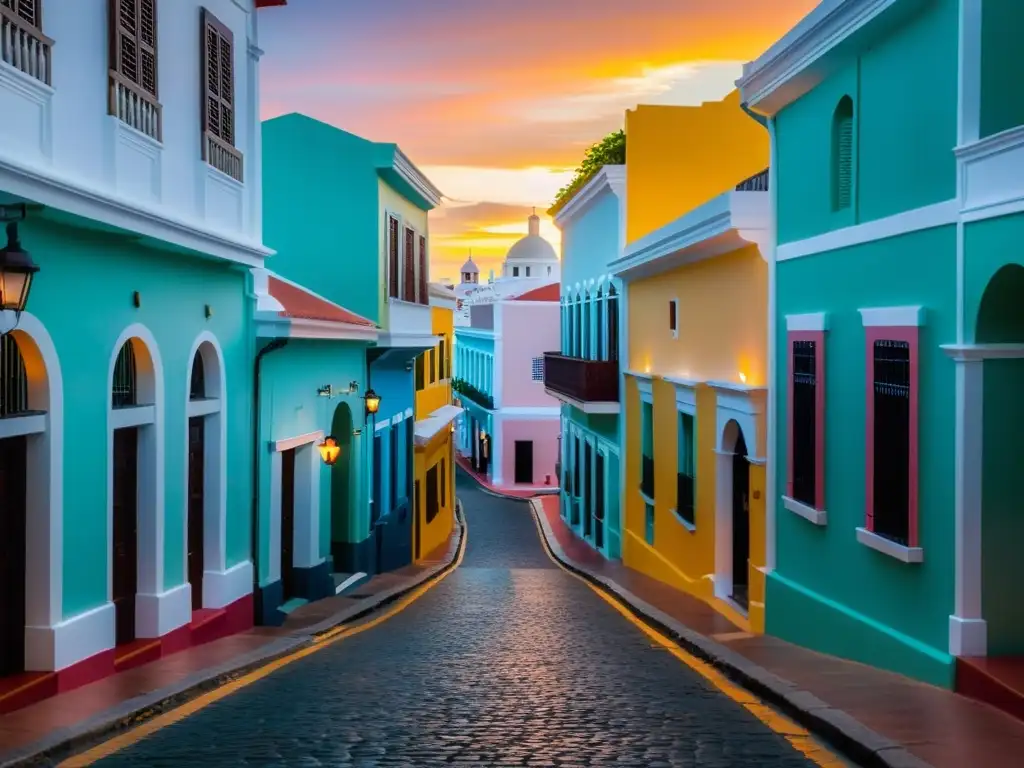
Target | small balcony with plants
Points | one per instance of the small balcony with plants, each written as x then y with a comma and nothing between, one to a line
471,393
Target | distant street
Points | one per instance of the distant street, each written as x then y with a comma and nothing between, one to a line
508,662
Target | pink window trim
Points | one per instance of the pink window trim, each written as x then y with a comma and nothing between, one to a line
818,337
909,335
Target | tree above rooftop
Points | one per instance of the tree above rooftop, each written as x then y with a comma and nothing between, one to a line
611,150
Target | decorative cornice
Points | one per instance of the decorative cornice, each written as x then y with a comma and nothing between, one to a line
611,178
411,174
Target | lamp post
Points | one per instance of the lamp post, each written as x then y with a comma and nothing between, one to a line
16,266
329,450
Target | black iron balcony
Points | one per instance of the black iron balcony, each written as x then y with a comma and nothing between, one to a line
685,497
586,381
756,183
647,476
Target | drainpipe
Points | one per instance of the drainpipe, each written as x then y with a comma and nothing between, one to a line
268,348
754,116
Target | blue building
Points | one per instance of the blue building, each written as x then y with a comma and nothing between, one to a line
348,218
585,373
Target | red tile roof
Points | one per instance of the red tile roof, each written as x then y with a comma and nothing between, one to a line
550,292
270,3
299,303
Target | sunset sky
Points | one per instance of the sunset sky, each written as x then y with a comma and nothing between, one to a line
496,100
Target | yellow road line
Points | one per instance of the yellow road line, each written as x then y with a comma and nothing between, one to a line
134,736
797,736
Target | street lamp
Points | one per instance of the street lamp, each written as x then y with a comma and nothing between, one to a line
16,266
372,401
329,450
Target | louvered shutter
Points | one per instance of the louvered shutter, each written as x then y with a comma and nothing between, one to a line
844,162
392,257
409,287
218,79
28,10
133,41
424,271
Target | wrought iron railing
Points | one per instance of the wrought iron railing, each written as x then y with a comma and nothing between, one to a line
756,183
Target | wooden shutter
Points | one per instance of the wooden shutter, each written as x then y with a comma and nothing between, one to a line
29,10
392,257
218,68
844,161
424,271
133,42
409,288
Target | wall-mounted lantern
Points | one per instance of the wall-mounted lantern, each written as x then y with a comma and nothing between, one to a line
16,266
372,401
329,450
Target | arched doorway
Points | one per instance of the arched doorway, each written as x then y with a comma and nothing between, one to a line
342,486
1001,321
136,481
732,518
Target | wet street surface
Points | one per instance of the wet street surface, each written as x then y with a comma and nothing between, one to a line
509,661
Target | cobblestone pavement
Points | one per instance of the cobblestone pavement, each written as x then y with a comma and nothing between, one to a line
508,662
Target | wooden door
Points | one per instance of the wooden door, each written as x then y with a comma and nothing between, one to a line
126,541
196,507
599,501
12,555
288,523
524,461
740,521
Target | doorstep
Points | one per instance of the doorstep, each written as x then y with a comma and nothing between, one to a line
878,716
70,721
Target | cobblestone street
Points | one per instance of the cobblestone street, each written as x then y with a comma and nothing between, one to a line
509,661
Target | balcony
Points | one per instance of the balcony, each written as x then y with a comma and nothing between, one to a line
592,386
756,183
647,476
469,392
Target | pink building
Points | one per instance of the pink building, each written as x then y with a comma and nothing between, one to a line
510,427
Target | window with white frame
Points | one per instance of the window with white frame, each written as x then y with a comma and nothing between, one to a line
538,369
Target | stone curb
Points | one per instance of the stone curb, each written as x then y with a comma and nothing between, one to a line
64,742
498,494
850,736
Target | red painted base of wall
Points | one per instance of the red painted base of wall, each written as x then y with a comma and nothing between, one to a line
998,681
207,625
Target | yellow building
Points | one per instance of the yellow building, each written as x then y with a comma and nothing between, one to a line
696,303
434,461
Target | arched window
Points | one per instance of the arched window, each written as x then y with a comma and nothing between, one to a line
122,388
613,323
197,382
13,379
842,155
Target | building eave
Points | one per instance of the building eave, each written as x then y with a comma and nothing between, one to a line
610,178
731,221
274,326
427,429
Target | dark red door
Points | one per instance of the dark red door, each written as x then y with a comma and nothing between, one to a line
287,523
12,555
126,541
196,504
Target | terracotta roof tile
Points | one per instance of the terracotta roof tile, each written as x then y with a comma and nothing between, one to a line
299,303
550,292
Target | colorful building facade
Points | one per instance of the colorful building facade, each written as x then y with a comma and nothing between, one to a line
696,293
113,555
360,239
584,374
434,484
868,498
509,431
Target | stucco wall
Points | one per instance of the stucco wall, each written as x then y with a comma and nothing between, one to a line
544,435
590,240
528,329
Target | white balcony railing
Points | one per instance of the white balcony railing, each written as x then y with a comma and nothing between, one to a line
134,107
24,47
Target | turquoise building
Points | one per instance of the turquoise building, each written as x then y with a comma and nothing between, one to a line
895,284
312,447
473,387
585,374
348,217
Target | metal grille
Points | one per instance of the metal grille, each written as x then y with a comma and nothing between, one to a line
122,389
13,379
842,158
538,369
756,183
197,384
805,417
892,440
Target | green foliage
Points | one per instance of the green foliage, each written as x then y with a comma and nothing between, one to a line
466,389
611,150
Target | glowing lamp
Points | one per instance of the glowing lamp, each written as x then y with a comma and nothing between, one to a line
16,272
743,378
329,450
372,401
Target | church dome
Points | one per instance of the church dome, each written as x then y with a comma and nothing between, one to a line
533,247
470,266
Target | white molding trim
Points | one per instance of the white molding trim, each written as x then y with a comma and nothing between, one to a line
416,179
803,57
609,407
44,508
970,352
812,321
890,548
132,416
67,642
287,443
989,178
528,412
17,426
427,429
892,317
610,178
726,223
158,614
808,513
686,394
151,469
916,220
213,410
222,588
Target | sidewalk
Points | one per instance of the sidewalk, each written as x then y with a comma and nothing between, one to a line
71,720
877,716
508,493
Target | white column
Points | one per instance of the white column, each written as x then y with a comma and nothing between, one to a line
723,524
967,631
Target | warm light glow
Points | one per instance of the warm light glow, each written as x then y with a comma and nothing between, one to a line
372,401
329,450
743,378
453,428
